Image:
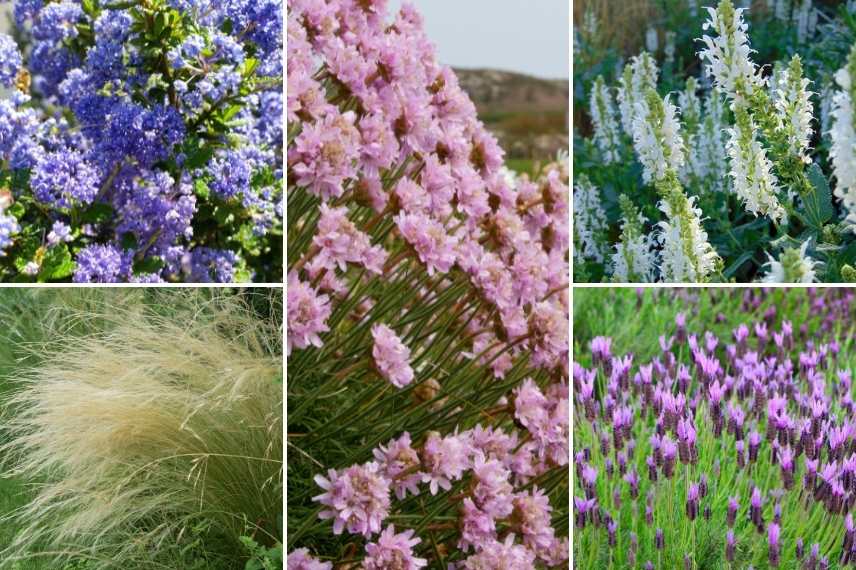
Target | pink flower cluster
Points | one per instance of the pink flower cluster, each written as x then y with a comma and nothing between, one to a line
391,356
498,468
375,121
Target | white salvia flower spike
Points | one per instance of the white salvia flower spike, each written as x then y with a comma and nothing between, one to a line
589,220
843,134
793,266
751,170
657,137
606,134
727,54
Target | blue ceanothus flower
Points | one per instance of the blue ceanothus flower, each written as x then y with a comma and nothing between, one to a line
144,142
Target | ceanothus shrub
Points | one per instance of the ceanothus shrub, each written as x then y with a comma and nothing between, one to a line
142,141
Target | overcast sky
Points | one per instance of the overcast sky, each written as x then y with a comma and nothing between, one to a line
530,36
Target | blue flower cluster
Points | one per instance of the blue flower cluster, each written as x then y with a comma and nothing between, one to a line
142,141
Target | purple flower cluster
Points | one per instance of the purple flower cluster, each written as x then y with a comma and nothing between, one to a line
160,171
776,404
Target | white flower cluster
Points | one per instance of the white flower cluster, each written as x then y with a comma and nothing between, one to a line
606,134
589,220
709,163
686,254
634,260
843,150
791,99
657,137
751,170
727,54
793,266
639,76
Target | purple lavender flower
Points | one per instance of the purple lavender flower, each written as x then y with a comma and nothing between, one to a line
692,501
730,545
773,533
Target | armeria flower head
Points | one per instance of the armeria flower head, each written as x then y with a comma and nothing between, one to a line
307,314
843,134
727,54
429,238
444,459
393,551
589,220
657,137
606,134
391,356
507,555
751,170
300,559
400,463
634,259
357,497
793,266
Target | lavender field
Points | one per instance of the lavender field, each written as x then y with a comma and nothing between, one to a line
713,428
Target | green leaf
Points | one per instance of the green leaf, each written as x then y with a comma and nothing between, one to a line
198,156
817,204
17,209
97,213
57,264
735,265
148,265
129,241
201,189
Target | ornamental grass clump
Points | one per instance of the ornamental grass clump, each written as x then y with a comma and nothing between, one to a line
760,409
142,141
153,434
427,312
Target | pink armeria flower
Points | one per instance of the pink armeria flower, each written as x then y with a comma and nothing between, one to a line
435,247
477,527
340,242
399,463
531,518
444,460
505,555
391,356
492,490
358,498
301,560
324,154
393,552
307,314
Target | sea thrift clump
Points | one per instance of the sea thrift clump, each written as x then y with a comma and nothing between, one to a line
153,133
733,424
427,307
